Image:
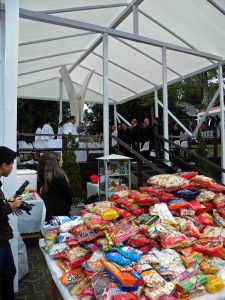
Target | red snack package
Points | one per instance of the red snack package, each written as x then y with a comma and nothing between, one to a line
211,233
218,188
208,206
94,179
114,197
212,247
197,207
152,191
147,248
203,181
84,234
83,212
176,204
166,197
221,211
206,219
146,199
138,240
75,256
173,239
187,175
186,212
132,194
188,227
131,206
123,230
123,213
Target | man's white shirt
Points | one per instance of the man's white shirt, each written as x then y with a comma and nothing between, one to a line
47,129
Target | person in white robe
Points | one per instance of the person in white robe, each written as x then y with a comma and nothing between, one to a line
47,129
60,130
38,131
70,127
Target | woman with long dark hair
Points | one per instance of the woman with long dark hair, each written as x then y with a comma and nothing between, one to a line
57,197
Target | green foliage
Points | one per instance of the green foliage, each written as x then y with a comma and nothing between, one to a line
71,168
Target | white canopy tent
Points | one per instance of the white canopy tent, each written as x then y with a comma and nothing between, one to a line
134,47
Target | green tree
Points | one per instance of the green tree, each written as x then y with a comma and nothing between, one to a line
72,169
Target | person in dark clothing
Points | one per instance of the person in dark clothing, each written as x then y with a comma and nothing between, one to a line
136,135
7,266
58,196
147,137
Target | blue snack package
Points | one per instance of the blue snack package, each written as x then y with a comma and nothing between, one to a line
117,258
130,253
187,194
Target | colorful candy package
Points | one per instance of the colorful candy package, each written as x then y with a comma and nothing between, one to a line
165,197
117,258
99,281
93,264
187,175
139,240
206,219
197,207
76,256
211,247
109,214
205,196
113,292
186,212
94,221
214,284
152,191
163,212
219,201
203,181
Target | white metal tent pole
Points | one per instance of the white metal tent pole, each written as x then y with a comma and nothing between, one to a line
106,94
156,104
9,121
135,20
222,129
165,105
115,115
60,99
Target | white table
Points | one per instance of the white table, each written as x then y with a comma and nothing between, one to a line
33,223
91,189
56,273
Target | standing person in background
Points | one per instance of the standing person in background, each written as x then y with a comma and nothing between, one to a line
191,127
114,132
7,266
147,138
47,129
41,174
70,127
58,196
38,131
136,135
60,130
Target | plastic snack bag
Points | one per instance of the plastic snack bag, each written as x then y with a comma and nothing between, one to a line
163,212
206,219
130,253
211,247
197,207
187,175
83,233
109,214
186,212
219,201
211,233
205,196
187,194
168,181
75,280
93,264
151,278
117,258
76,256
99,281
154,294
203,181
94,221
214,284
55,249
176,204
139,240
152,191
113,292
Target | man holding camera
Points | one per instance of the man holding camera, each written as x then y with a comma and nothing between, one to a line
7,266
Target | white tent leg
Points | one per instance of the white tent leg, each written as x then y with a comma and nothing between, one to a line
60,99
8,103
165,105
156,104
222,122
105,94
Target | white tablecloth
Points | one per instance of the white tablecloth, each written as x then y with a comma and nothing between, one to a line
34,222
91,189
56,273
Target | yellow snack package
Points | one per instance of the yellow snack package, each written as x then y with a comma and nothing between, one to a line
109,214
214,284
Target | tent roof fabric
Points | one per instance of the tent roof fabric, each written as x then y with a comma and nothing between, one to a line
135,68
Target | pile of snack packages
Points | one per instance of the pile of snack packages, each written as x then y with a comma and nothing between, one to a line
164,241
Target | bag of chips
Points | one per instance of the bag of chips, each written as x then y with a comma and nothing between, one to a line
109,214
131,206
211,247
83,233
211,233
117,258
173,239
139,240
208,268
219,201
152,191
94,221
165,197
203,181
176,204
205,196
130,253
187,175
186,212
99,281
63,265
187,194
187,227
206,219
113,292
197,207
75,280
163,212
214,284
217,188
168,181
76,256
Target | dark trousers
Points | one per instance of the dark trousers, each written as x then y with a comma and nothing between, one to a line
7,273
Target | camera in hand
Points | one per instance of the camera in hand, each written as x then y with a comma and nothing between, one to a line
27,207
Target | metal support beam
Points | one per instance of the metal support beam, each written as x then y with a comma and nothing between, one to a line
40,17
36,82
115,115
175,119
106,94
206,112
9,20
125,69
222,123
147,55
216,5
135,20
168,30
60,99
156,104
111,80
43,69
55,38
123,119
49,56
82,8
165,105
125,13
